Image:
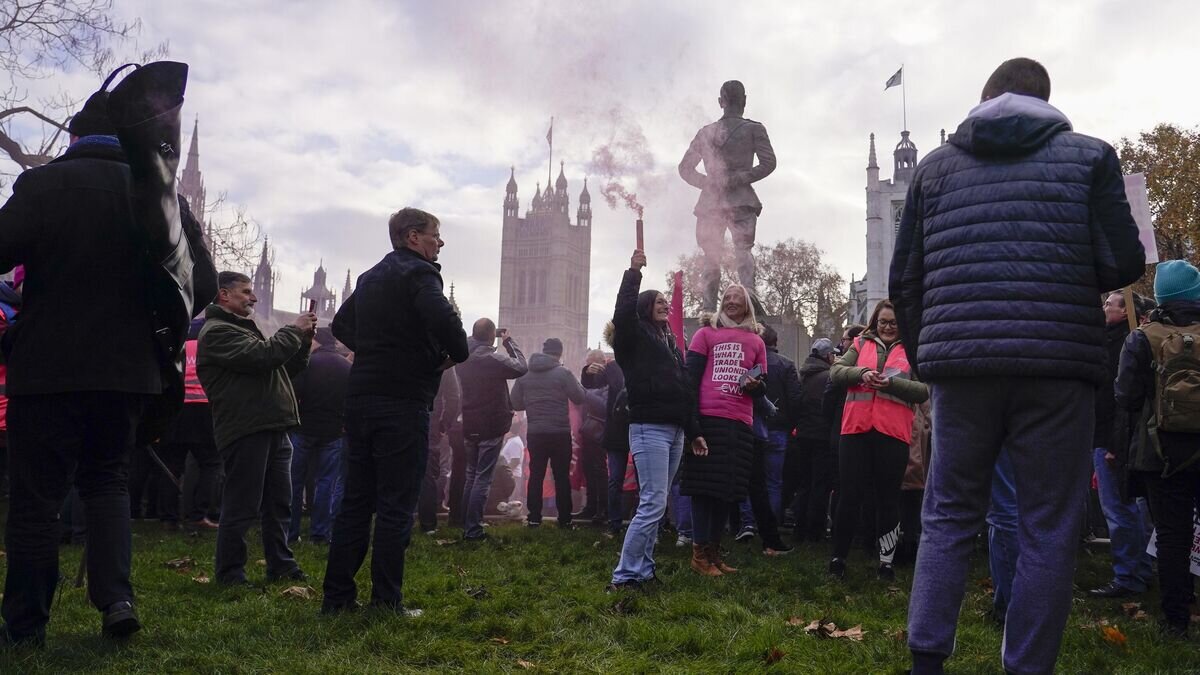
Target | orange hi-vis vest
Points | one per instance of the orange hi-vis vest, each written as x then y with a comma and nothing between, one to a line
192,391
871,410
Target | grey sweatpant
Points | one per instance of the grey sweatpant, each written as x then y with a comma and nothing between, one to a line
1046,426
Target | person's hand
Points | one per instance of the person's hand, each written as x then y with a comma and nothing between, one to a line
306,323
446,365
868,378
874,380
699,447
638,261
595,368
752,385
1110,459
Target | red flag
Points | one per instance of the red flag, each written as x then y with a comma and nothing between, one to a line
675,318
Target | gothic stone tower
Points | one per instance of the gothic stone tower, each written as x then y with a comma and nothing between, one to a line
545,264
885,205
191,182
264,284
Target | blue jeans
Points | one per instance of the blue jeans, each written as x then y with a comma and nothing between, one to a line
1002,533
776,451
1126,530
327,456
481,464
388,445
657,449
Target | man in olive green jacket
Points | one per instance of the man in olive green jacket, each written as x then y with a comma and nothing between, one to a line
248,381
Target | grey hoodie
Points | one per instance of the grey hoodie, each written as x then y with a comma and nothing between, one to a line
543,395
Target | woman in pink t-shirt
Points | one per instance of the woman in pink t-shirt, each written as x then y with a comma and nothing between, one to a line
727,362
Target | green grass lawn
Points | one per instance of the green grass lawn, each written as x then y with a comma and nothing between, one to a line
534,600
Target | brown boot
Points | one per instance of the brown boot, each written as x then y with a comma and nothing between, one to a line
714,556
700,562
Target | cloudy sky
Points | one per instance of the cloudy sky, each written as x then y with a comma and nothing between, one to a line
321,118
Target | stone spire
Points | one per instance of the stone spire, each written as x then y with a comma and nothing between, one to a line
943,137
583,217
453,302
191,182
347,290
264,282
511,203
872,163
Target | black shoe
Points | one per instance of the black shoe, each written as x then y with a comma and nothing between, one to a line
8,641
329,608
886,572
1112,590
745,534
481,537
619,586
837,568
587,513
120,620
533,523
295,575
776,549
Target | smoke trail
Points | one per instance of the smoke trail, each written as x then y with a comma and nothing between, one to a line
624,158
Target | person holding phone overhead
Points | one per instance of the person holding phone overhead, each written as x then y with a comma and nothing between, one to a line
876,432
727,364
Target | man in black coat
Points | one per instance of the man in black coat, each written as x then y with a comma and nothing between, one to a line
404,333
815,481
783,389
1010,232
82,369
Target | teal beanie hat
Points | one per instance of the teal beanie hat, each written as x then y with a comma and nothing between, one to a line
1176,280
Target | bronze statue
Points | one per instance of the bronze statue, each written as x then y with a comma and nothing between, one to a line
727,200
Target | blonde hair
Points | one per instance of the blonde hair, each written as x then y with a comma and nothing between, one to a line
749,322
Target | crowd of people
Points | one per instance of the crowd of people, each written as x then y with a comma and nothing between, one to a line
976,402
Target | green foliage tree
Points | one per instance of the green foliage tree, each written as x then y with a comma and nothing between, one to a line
1169,155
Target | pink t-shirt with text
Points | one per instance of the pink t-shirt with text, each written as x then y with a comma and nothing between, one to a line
730,353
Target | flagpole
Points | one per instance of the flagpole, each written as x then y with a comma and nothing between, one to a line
550,163
904,96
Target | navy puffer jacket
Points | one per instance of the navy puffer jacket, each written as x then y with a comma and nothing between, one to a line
1010,232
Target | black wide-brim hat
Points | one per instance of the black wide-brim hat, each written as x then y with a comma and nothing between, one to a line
147,92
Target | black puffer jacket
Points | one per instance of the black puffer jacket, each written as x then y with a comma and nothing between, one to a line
783,389
1010,232
724,473
814,422
655,378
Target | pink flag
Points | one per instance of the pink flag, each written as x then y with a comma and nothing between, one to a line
675,318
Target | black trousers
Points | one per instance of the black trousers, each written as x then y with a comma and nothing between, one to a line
202,478
258,487
811,471
388,450
873,464
143,485
760,501
595,472
553,449
1172,503
427,505
51,437
174,455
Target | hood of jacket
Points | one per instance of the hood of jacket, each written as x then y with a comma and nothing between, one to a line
1009,125
813,364
540,363
1179,312
475,346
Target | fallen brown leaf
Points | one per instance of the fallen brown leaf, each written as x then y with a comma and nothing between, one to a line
260,563
795,621
900,635
445,542
461,571
500,640
856,633
812,627
1113,635
1131,608
774,655
201,578
1141,615
299,592
525,664
477,592
183,563
2,554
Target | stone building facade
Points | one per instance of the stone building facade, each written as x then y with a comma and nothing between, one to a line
545,263
885,205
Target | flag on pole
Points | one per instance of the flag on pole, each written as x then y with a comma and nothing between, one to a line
550,132
895,80
675,317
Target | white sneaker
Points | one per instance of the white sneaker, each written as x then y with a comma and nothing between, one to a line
683,541
502,507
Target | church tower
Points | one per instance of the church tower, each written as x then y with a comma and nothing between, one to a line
885,205
545,263
191,182
320,295
264,284
346,290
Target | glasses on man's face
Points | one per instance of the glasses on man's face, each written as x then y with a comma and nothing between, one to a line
886,323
